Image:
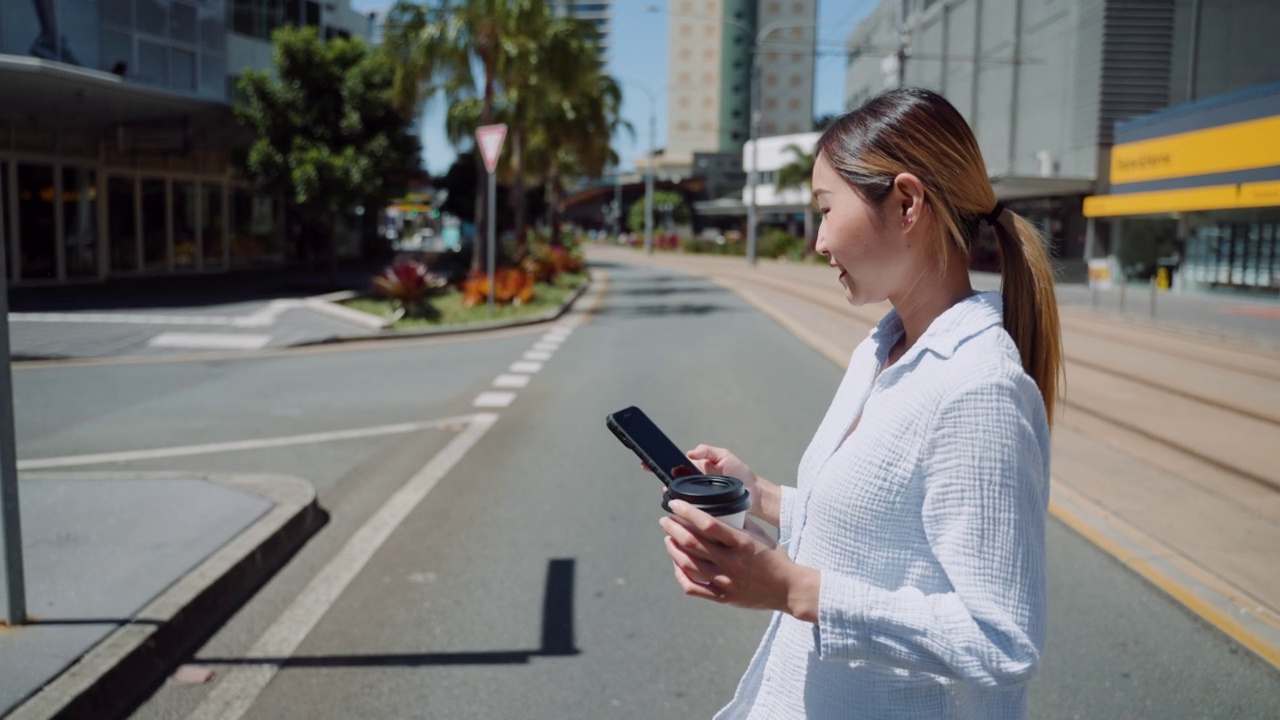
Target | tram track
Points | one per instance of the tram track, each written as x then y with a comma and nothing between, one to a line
1248,375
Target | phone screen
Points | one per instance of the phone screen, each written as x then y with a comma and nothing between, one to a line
652,442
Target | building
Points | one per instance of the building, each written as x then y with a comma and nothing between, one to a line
117,129
597,12
1043,84
710,59
1198,187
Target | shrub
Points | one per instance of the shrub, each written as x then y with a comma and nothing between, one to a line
511,285
409,284
776,243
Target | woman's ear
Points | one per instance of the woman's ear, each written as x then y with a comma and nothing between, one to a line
908,194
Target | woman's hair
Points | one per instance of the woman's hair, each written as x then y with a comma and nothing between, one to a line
912,130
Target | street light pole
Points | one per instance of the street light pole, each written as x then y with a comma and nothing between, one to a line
648,181
753,177
648,173
15,595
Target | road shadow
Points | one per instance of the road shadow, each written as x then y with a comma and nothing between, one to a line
670,309
662,291
557,638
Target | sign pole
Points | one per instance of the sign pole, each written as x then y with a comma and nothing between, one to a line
15,606
489,139
492,221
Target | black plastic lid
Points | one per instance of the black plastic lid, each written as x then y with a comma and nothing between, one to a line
714,494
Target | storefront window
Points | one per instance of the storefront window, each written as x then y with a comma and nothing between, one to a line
36,221
185,251
122,225
80,221
211,228
1238,248
155,253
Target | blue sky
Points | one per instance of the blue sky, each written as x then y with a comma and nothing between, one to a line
639,58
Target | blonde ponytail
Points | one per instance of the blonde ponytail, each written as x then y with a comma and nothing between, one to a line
1030,305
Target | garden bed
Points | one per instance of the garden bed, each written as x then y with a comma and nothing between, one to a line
450,310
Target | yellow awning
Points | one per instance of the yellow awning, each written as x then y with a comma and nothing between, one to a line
1214,197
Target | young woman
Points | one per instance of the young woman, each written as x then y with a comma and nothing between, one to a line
908,580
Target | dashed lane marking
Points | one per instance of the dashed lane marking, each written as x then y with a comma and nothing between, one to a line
492,399
525,366
537,355
514,382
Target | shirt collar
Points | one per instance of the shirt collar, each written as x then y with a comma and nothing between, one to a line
958,323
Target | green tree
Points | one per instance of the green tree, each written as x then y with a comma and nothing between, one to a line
537,73
797,174
327,134
679,210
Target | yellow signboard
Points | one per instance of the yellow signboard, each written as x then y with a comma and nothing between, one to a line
1214,197
1226,148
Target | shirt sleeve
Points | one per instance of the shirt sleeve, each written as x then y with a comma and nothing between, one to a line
787,521
985,474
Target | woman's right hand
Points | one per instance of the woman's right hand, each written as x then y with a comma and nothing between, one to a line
719,461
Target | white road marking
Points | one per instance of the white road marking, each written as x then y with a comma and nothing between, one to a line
524,366
560,331
551,339
233,446
511,381
545,347
210,341
490,399
267,315
537,355
232,698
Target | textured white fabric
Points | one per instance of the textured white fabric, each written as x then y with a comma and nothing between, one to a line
927,524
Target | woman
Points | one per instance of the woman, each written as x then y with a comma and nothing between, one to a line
908,578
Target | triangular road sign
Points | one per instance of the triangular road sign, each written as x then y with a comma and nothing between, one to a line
489,138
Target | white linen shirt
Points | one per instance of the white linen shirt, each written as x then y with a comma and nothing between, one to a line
927,524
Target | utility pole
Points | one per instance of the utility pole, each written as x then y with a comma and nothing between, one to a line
753,177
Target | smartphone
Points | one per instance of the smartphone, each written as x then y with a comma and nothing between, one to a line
659,454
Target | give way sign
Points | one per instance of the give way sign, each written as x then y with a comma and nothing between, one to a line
489,138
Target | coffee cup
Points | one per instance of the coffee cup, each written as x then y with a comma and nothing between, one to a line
720,496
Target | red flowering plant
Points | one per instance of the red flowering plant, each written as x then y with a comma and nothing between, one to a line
410,284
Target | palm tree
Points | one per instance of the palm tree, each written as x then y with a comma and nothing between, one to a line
796,175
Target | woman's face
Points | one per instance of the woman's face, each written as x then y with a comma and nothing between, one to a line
866,247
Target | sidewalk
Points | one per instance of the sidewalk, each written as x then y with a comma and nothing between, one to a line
1164,451
126,572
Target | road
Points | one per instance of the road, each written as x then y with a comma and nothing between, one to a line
530,580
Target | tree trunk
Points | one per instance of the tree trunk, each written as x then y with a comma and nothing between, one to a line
517,150
479,249
553,209
808,230
333,249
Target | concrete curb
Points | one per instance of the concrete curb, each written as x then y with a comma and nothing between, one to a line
120,669
543,317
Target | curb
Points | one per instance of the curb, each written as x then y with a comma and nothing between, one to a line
543,317
119,670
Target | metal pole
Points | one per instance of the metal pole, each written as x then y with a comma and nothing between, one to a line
1153,296
753,175
492,223
648,181
15,608
617,204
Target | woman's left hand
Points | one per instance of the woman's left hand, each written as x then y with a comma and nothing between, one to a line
745,568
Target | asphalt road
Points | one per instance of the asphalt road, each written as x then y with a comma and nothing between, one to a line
531,581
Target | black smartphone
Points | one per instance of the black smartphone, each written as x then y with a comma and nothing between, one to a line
659,454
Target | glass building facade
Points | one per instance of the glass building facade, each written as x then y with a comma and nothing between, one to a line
116,133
